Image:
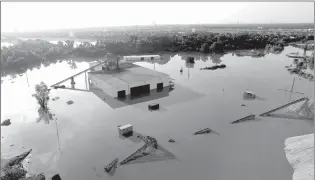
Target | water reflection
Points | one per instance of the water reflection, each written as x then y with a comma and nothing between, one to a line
44,115
204,58
165,58
72,64
203,92
216,58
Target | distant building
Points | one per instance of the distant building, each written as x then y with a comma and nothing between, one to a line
132,59
129,79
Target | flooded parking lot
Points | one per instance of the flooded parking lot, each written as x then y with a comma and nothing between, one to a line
84,138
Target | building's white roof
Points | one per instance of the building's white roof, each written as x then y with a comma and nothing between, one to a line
129,75
108,79
142,56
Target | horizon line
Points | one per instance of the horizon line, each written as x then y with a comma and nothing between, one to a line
146,25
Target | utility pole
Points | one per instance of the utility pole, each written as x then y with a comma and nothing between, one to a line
292,89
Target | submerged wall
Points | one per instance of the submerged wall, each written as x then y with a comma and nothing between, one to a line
299,152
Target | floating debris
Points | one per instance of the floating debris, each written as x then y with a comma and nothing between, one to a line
214,67
6,122
55,98
247,118
171,141
204,131
243,105
17,159
70,102
111,165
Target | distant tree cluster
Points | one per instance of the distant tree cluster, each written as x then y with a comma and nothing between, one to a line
30,53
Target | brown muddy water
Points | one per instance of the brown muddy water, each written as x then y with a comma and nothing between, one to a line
84,138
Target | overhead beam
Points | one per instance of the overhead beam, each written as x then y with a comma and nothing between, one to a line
75,75
281,107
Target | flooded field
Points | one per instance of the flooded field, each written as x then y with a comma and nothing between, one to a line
84,138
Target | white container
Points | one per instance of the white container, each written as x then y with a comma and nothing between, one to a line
125,129
248,94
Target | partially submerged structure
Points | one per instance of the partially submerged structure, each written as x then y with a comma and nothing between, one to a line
111,165
149,142
222,66
125,129
130,80
132,59
301,108
249,95
247,118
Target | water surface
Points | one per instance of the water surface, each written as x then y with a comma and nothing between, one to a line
87,132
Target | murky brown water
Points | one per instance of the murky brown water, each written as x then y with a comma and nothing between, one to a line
88,136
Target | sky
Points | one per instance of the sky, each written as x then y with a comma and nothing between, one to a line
34,16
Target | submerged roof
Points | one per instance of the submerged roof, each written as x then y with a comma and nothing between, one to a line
127,74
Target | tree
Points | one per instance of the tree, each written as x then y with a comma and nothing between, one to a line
204,48
60,44
42,95
216,47
70,43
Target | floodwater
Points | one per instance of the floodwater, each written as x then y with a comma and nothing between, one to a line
84,138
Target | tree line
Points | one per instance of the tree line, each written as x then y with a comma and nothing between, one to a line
29,52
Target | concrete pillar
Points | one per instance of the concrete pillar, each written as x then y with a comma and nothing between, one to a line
72,80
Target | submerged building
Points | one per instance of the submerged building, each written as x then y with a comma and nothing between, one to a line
129,79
